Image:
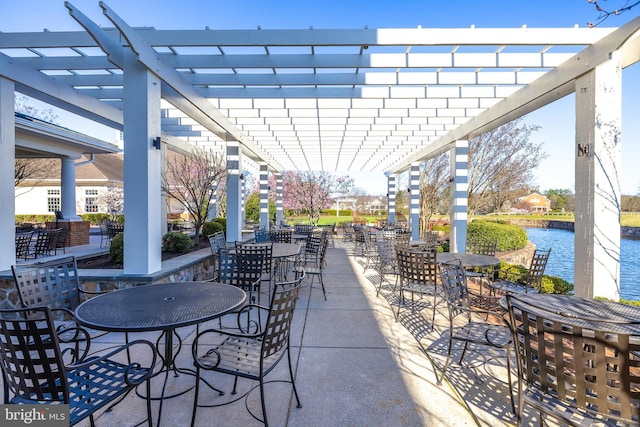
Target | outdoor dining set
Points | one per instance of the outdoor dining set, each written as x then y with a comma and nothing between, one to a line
577,360
253,294
42,242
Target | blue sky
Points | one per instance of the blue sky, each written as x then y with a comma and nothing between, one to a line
556,120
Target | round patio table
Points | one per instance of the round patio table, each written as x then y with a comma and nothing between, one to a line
161,307
467,260
588,312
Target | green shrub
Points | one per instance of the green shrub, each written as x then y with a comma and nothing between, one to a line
445,228
550,284
35,218
211,227
176,242
509,237
95,218
221,221
116,251
555,285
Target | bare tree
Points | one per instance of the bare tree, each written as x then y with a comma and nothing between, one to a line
192,179
501,165
605,13
434,186
27,168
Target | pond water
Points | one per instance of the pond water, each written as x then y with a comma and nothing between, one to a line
561,261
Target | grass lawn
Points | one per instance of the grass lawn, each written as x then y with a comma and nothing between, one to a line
628,220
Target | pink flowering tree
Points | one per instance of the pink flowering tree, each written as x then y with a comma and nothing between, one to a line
311,191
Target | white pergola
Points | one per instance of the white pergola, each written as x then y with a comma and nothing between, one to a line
333,100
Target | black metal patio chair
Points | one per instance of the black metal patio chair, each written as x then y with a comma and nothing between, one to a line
577,371
312,260
418,272
250,355
23,245
35,368
514,281
472,325
54,284
46,242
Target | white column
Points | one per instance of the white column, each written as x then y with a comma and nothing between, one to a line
391,199
244,176
7,174
234,222
264,196
142,168
164,207
213,211
279,204
459,189
414,201
598,163
68,190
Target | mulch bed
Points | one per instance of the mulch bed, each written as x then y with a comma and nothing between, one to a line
104,261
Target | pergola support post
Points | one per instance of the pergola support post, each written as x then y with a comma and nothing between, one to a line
142,169
279,201
7,173
598,163
414,201
234,211
264,196
459,188
391,199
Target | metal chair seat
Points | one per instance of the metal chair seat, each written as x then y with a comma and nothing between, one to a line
30,346
251,355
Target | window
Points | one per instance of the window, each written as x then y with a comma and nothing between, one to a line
91,201
53,200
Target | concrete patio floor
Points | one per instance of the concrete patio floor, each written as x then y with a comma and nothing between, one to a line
355,365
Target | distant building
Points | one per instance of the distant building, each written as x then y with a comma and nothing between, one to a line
40,195
534,202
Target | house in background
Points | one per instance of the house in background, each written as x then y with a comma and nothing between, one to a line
40,194
95,176
534,203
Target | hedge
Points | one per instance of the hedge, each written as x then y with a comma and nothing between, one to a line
509,237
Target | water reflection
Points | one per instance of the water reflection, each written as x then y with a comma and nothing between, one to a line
561,260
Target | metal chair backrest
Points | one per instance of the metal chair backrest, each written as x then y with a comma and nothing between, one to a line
46,242
418,267
581,363
268,254
242,266
304,229
217,241
482,247
387,251
283,235
536,269
430,237
53,284
278,328
114,228
261,235
61,242
33,368
23,242
456,292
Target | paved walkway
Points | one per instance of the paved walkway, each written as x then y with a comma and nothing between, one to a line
354,365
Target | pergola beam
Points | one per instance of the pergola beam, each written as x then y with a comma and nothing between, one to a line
550,87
